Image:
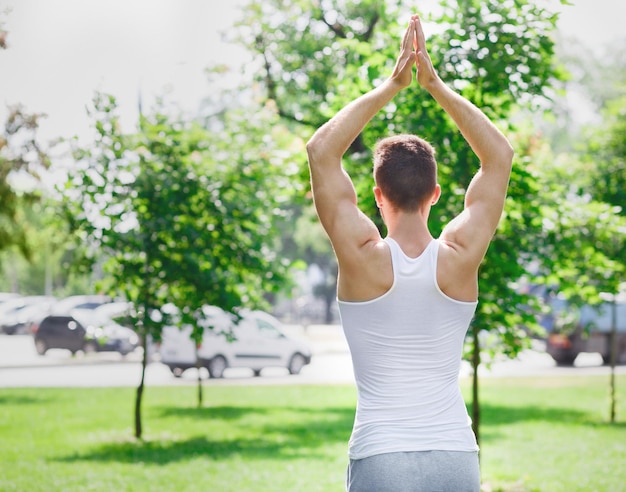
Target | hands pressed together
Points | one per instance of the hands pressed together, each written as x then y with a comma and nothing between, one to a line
413,52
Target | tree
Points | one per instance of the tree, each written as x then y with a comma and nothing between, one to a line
315,249
46,269
184,216
22,159
596,173
607,150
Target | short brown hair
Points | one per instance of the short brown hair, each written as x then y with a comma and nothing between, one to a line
405,170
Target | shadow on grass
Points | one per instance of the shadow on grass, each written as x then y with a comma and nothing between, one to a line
284,433
15,399
162,453
606,424
290,434
224,412
495,415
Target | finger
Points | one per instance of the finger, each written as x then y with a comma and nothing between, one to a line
406,41
421,40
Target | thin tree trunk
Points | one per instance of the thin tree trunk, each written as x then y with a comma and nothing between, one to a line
144,329
613,356
138,399
198,367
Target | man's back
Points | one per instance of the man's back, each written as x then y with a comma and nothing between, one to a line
406,350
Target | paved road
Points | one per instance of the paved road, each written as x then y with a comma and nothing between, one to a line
21,366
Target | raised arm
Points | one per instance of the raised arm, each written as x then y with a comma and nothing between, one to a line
470,233
333,193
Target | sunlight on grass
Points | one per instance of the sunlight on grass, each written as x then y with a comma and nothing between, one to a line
544,434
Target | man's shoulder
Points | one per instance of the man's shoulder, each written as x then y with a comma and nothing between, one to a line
366,274
457,271
370,250
454,254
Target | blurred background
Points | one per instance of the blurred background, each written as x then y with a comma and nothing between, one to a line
153,151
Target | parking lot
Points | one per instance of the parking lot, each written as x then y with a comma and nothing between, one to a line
21,366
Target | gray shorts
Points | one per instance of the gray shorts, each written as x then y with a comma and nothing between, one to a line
418,471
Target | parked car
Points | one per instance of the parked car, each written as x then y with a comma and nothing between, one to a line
84,329
256,341
88,301
115,309
5,296
18,314
587,329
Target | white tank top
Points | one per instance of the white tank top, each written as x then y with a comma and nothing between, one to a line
406,348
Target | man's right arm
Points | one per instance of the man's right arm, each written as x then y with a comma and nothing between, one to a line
470,233
486,194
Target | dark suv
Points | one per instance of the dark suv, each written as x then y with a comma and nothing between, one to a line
83,330
588,329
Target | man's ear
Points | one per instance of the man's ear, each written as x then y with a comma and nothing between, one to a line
378,194
436,194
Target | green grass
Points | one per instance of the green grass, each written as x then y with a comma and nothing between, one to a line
543,434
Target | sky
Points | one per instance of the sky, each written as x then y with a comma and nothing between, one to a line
62,51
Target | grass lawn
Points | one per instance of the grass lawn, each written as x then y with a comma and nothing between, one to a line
541,434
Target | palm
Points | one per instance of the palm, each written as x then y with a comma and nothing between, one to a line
403,71
425,70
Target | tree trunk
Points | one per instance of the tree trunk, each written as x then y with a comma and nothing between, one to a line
144,362
198,367
475,401
613,355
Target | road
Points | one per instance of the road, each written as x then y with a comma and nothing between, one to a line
21,366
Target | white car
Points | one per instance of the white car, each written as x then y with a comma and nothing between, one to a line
17,315
256,341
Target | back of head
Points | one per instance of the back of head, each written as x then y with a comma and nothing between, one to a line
405,170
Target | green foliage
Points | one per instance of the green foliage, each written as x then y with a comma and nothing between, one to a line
307,47
606,150
499,55
184,215
318,56
33,256
573,232
22,159
47,269
596,171
582,240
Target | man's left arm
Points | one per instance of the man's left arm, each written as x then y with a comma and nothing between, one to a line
333,192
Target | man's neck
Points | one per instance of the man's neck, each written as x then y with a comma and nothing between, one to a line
410,231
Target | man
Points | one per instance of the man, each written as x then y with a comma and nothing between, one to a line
406,301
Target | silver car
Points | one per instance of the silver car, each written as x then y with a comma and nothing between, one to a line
256,341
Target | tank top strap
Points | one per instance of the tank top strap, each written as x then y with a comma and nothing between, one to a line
430,251
405,265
